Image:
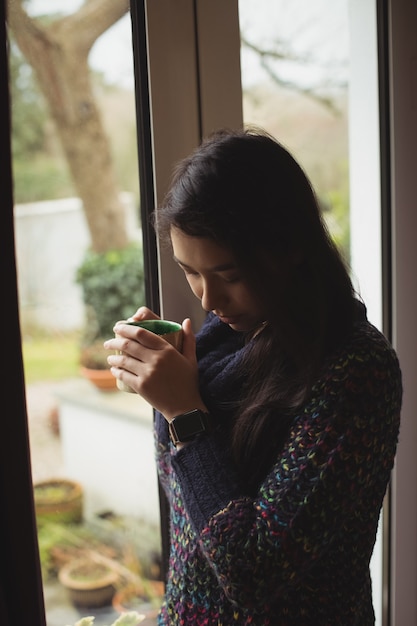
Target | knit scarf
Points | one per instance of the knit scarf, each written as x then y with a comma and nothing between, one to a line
219,350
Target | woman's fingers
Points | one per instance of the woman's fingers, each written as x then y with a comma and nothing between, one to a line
188,341
167,379
143,313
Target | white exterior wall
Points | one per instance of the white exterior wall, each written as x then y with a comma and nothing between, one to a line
108,446
51,238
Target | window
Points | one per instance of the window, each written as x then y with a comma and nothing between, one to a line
80,268
177,122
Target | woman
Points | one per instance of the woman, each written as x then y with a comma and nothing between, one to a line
276,431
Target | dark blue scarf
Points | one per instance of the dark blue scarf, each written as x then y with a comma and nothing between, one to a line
219,350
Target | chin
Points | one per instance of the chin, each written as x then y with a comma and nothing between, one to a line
241,327
253,328
237,328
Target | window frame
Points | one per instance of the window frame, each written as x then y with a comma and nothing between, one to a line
183,115
19,565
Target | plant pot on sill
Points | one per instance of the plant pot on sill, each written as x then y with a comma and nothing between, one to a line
94,366
89,583
102,379
58,500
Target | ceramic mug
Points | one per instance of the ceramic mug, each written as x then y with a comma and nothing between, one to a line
170,331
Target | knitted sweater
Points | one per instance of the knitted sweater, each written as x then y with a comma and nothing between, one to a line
296,554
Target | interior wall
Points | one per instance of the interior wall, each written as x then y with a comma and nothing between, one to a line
403,105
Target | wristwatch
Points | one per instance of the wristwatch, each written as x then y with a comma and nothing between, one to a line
186,426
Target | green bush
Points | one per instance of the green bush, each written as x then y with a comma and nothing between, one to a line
113,287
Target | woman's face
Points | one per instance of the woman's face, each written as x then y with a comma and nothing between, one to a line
216,281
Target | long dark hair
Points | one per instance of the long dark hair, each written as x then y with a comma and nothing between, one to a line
244,190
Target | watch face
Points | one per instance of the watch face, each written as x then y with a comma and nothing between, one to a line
185,427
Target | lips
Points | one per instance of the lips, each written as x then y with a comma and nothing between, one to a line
234,319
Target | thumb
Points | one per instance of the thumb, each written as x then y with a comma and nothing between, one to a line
188,341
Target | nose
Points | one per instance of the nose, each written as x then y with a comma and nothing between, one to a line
212,296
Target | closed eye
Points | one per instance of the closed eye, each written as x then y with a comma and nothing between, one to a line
232,279
227,271
188,271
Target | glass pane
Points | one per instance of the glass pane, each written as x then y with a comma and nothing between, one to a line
295,62
80,269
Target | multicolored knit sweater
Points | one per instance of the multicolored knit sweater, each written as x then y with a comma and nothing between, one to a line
296,554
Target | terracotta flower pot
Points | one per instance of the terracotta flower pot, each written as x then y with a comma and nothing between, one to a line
102,379
58,500
89,584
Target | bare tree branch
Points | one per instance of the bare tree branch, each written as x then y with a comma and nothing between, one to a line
92,19
282,52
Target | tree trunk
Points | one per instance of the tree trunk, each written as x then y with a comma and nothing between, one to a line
58,54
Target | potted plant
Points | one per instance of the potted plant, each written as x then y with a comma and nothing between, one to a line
62,543
58,500
97,580
94,366
112,286
90,582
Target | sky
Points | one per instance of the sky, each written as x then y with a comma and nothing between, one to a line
312,28
318,27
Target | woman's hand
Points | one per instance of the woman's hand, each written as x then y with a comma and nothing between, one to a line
164,377
143,313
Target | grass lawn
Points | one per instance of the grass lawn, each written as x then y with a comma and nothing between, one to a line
50,358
